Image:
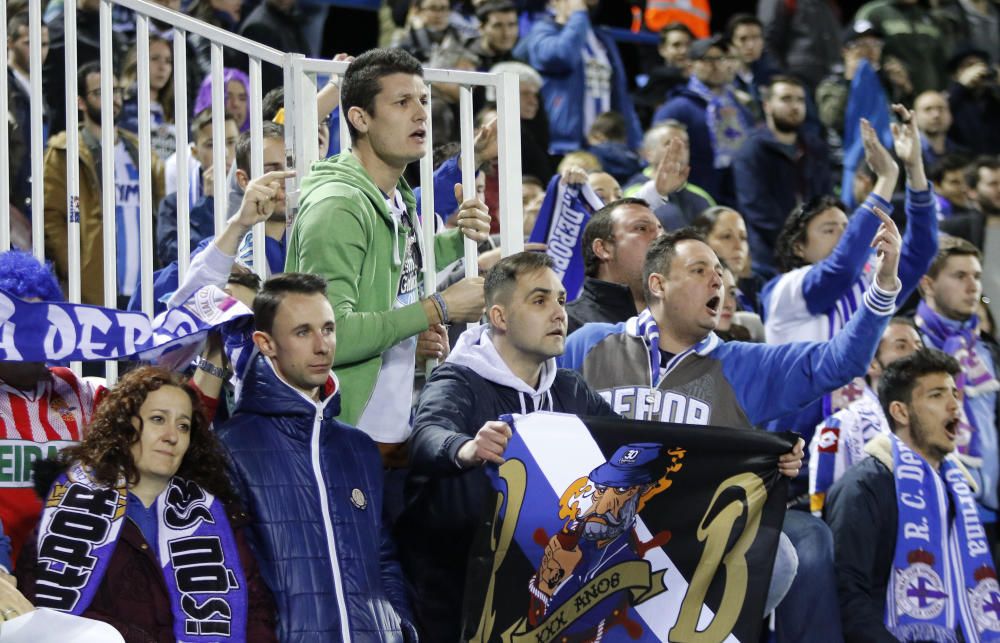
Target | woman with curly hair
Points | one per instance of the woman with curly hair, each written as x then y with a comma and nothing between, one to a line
140,530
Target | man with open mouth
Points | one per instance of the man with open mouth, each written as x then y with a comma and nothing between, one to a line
913,561
668,364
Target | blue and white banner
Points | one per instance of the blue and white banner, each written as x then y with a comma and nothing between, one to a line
615,530
61,332
560,223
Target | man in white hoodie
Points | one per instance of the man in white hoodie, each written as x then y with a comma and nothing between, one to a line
506,366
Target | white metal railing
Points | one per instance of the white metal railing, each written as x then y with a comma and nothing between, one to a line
301,125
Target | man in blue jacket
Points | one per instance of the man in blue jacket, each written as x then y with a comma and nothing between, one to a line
507,366
583,74
667,364
312,484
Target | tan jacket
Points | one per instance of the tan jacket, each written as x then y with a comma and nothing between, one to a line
91,222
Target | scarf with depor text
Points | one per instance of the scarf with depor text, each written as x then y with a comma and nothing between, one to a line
942,573
81,523
959,340
728,123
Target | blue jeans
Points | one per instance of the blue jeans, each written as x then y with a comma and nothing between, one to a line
810,610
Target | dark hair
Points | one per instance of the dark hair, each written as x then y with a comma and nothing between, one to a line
900,377
661,254
949,163
270,130
795,228
85,70
782,79
16,21
488,8
203,119
600,226
273,291
675,26
708,218
362,80
243,276
982,162
445,151
949,247
503,276
610,125
24,276
107,447
899,320
739,20
273,101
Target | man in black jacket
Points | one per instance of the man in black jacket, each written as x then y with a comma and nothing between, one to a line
614,247
922,405
277,24
507,366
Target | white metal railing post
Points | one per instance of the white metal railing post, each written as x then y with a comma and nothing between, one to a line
4,141
428,217
509,140
145,167
181,157
218,135
291,106
468,139
73,263
37,142
257,162
108,137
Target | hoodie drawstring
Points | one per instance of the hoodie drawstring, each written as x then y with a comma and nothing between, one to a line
524,407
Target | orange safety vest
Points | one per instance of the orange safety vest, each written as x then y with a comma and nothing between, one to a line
694,14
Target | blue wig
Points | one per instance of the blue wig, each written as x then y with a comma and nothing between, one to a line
24,276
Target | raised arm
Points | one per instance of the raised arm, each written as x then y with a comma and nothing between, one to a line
830,278
920,243
800,372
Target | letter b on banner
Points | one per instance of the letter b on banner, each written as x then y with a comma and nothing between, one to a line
716,534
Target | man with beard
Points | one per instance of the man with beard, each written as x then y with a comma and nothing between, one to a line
934,120
779,167
126,173
598,539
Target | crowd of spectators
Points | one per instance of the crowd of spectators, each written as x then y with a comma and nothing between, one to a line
801,211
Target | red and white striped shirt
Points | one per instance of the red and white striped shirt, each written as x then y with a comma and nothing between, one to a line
35,425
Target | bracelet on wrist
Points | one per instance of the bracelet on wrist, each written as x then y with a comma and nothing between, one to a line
442,307
210,368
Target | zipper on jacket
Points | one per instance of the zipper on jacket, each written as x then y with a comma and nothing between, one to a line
345,630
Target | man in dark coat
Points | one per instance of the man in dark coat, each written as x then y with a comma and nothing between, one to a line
507,366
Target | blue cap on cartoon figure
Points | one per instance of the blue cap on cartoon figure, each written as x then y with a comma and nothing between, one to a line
631,465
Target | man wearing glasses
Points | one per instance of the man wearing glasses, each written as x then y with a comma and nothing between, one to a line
717,123
126,173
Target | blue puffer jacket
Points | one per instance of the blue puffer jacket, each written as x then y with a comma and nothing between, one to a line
313,487
556,52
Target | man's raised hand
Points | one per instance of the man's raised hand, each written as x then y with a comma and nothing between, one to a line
888,244
877,157
260,196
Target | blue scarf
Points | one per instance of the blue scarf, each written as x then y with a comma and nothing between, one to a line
560,223
728,123
646,328
942,573
78,533
865,100
959,340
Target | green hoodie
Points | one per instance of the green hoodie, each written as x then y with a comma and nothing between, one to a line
345,233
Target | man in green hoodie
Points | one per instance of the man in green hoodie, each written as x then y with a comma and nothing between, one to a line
357,227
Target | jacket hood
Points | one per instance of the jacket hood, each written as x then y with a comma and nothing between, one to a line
475,350
880,448
264,392
345,169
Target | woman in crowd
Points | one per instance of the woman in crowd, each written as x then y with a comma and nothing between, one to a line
726,233
146,497
237,89
161,95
